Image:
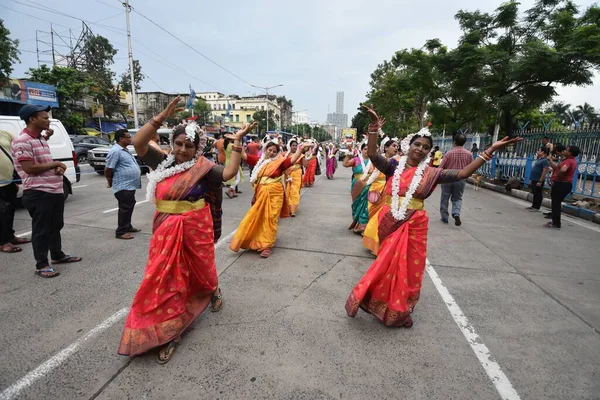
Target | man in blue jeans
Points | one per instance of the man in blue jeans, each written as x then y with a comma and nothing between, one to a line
457,158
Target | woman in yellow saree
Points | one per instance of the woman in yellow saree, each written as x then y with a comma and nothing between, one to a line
293,182
258,229
180,279
377,181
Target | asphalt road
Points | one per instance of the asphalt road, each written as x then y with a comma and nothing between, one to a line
509,309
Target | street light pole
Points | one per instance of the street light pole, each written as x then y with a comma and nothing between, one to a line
133,97
266,89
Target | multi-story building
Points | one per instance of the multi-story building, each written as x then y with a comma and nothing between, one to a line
339,103
338,118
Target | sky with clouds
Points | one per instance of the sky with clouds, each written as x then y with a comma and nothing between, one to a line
314,48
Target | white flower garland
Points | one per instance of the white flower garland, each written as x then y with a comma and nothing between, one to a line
163,171
259,166
399,210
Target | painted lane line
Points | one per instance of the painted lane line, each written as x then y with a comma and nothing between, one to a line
79,187
41,371
23,234
115,209
564,216
491,367
47,367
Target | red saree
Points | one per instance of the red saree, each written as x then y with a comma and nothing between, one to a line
309,175
391,287
181,274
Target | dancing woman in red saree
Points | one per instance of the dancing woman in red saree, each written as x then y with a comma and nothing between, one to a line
391,287
180,279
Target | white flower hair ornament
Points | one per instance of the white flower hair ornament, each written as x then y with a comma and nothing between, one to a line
405,144
168,167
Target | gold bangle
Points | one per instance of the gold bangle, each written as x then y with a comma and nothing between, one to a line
154,123
483,158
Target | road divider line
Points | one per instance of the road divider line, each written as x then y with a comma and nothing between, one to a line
44,369
79,187
115,209
23,234
491,367
29,379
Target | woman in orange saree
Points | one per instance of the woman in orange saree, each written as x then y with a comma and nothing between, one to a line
180,279
377,181
258,229
391,287
294,178
311,167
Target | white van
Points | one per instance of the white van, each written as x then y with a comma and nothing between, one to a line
60,145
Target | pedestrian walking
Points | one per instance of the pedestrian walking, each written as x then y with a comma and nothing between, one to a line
42,189
123,175
539,170
437,157
457,158
562,181
391,287
253,149
8,197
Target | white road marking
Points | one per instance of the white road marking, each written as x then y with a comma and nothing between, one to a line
79,187
29,379
563,216
60,357
23,234
115,209
491,367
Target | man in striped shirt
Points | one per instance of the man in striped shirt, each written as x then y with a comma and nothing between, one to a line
457,158
42,189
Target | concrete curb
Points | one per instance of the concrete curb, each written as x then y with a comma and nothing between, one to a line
583,213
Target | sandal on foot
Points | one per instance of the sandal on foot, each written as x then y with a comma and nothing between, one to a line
67,259
17,241
266,253
169,350
10,249
217,301
125,236
47,273
229,194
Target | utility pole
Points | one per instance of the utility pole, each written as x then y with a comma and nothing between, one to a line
133,96
52,40
266,88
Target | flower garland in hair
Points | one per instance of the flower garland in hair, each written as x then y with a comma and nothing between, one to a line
263,161
399,209
168,168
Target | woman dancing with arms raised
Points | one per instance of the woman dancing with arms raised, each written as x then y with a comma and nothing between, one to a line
391,287
258,229
180,280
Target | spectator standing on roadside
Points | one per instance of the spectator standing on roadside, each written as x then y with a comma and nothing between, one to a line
8,197
123,175
474,150
562,181
539,170
42,189
457,158
547,144
437,157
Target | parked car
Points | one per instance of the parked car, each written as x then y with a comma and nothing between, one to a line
60,145
96,157
83,144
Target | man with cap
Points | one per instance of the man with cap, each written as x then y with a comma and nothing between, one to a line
42,188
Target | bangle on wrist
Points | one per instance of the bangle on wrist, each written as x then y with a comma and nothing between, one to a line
483,158
154,123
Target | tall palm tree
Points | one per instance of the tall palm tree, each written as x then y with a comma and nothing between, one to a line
562,112
586,111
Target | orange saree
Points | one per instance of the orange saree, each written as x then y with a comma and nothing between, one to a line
293,185
258,229
180,275
309,174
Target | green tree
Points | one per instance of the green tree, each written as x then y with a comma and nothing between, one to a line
138,76
201,109
71,86
261,117
9,54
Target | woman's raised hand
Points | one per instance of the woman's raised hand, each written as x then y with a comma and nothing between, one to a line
172,108
505,141
375,119
246,128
